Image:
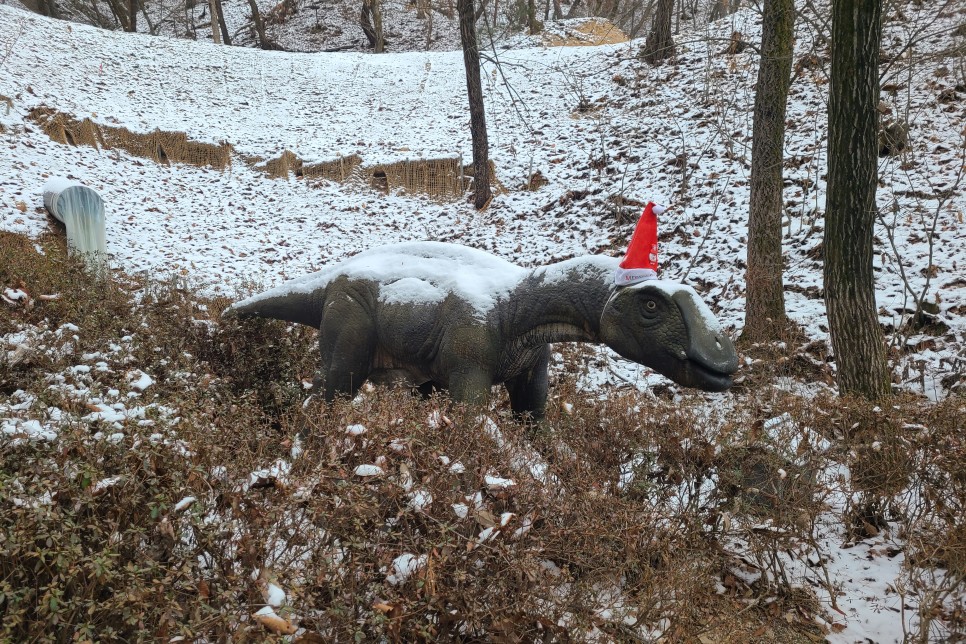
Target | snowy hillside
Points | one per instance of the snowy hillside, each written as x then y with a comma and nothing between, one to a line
677,134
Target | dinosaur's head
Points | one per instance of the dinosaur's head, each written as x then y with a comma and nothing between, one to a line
668,328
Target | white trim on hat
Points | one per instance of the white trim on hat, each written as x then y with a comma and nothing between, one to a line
628,276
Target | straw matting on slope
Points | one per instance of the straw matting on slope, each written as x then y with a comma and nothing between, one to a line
339,170
162,147
6,105
589,33
437,178
440,179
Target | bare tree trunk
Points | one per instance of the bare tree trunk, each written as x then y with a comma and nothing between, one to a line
380,45
765,315
225,36
370,19
132,16
474,91
857,339
263,40
215,30
152,28
660,46
557,10
118,12
532,24
43,7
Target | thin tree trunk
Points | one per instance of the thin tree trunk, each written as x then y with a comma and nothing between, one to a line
365,21
380,45
659,45
225,35
765,315
132,16
215,30
857,339
152,29
474,91
532,24
263,41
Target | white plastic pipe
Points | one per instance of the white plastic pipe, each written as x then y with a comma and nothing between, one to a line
81,210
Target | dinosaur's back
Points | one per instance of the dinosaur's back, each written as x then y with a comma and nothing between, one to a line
410,273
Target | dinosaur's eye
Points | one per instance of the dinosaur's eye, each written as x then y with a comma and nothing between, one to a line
651,305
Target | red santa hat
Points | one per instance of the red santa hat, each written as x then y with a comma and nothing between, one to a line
640,262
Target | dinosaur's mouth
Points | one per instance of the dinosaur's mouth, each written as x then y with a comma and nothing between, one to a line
706,378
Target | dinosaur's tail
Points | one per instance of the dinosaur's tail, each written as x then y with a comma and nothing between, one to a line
296,306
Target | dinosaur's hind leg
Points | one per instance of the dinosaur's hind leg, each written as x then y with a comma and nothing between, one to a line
347,342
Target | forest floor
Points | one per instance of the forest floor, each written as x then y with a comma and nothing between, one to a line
153,444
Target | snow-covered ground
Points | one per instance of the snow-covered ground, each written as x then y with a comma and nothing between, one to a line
678,134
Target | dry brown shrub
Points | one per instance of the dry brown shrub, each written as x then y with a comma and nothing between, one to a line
629,516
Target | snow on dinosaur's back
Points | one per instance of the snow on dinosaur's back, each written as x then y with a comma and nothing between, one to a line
417,273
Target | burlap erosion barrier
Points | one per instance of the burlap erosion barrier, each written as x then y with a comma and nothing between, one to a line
6,106
159,146
440,179
591,32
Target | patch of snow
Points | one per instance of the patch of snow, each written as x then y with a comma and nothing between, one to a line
404,566
355,430
498,483
139,380
184,503
274,595
368,470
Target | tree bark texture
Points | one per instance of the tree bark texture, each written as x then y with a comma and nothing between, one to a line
857,339
474,91
659,45
215,29
225,36
263,40
765,315
132,16
532,24
371,22
380,45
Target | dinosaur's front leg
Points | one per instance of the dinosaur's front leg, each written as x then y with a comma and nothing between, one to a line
470,384
528,390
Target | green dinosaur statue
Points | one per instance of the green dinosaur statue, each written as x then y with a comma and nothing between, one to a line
452,317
